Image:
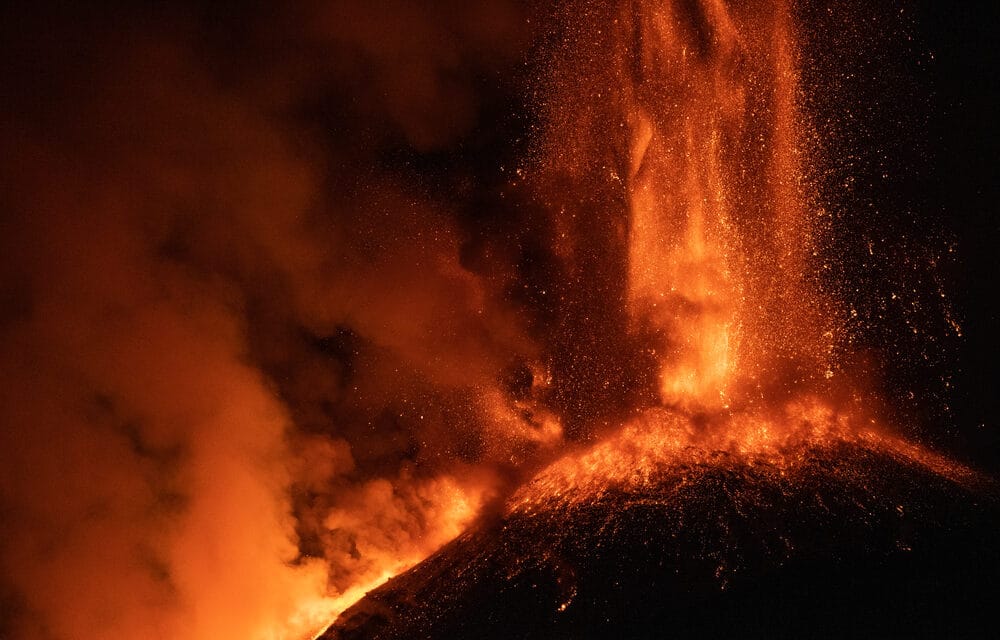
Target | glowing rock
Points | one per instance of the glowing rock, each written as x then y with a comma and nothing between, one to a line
841,536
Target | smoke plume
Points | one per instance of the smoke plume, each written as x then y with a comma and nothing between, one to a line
249,370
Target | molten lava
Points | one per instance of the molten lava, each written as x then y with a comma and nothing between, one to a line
720,228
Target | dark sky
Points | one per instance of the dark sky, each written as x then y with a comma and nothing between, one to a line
965,137
938,121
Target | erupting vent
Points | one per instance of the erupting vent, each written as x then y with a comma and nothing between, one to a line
724,457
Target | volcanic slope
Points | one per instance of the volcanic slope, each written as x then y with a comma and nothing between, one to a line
672,528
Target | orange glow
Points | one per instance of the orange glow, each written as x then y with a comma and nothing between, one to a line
704,185
719,224
660,440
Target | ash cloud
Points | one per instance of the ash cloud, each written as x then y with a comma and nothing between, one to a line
255,357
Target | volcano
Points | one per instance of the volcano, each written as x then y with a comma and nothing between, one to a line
665,528
725,470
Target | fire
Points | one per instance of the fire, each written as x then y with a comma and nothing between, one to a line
721,226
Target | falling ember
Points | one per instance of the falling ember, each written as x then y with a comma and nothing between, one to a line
704,177
706,181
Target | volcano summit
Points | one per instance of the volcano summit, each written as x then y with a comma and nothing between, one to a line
668,529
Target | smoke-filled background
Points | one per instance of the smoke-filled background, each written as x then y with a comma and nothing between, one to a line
282,308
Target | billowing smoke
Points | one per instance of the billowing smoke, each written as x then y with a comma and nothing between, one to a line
251,364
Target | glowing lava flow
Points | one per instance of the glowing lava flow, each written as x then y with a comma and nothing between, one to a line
452,507
655,445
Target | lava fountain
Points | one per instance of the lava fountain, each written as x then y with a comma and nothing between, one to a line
719,224
694,361
685,215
